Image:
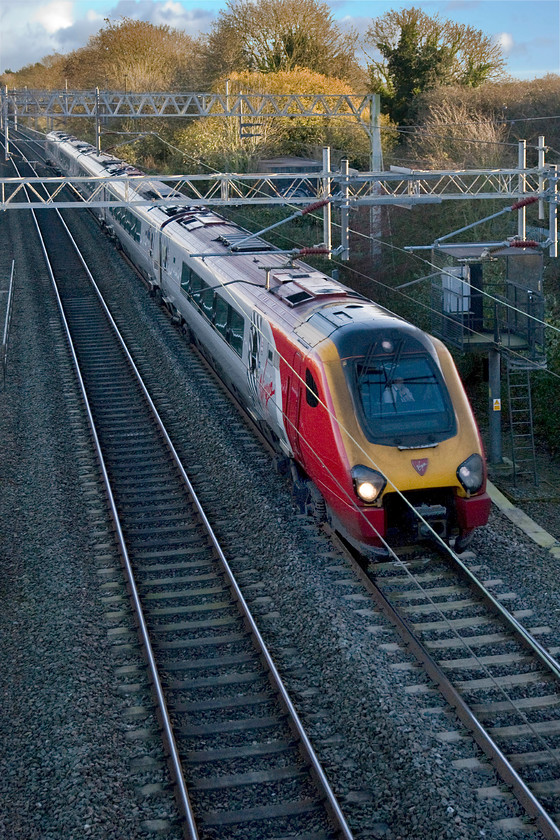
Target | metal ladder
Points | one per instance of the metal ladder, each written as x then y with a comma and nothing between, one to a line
521,424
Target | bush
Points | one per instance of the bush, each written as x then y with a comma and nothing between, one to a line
456,136
525,109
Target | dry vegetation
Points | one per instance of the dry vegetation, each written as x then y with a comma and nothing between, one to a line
497,112
455,136
455,127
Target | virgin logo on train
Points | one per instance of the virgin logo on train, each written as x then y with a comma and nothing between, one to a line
420,465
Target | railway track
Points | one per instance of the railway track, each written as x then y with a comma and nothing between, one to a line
241,761
501,683
497,675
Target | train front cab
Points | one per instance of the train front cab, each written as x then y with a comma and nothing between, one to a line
399,453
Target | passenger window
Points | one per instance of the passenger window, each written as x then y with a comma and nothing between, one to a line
221,315
196,289
185,277
311,391
207,301
236,330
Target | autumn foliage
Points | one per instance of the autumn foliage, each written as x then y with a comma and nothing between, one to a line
130,55
447,101
236,144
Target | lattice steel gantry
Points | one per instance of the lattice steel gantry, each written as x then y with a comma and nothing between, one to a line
105,104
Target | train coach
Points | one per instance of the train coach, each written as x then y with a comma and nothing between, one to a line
367,410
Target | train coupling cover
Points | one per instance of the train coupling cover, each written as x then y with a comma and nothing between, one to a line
433,518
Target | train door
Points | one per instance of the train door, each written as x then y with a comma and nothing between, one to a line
256,369
254,343
157,261
294,404
263,375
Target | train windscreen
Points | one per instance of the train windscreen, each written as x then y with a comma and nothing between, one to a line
402,399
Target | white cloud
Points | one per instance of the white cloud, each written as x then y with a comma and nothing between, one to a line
55,16
50,26
187,15
505,40
173,8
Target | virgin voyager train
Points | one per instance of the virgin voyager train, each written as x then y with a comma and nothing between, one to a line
368,409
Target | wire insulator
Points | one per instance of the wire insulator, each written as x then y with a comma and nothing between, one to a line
524,202
315,206
524,243
306,252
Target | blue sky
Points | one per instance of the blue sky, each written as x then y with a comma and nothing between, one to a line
31,29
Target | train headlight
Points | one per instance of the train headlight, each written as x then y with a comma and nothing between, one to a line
368,484
471,473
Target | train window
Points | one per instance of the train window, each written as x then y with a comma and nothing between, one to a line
196,286
236,329
129,222
311,390
185,278
403,399
221,309
207,301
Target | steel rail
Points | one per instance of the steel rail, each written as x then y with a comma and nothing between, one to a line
317,771
503,767
165,720
526,638
7,320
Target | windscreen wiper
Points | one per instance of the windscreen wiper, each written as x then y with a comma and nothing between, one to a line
389,380
367,360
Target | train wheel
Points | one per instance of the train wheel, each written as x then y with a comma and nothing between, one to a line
315,505
463,541
300,492
281,464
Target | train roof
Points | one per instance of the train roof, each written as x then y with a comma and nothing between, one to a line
289,290
286,289
106,162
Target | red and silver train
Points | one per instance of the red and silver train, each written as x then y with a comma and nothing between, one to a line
369,410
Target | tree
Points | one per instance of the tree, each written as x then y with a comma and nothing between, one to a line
419,53
217,142
481,140
47,73
268,36
135,55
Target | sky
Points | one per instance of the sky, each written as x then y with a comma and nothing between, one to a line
528,30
